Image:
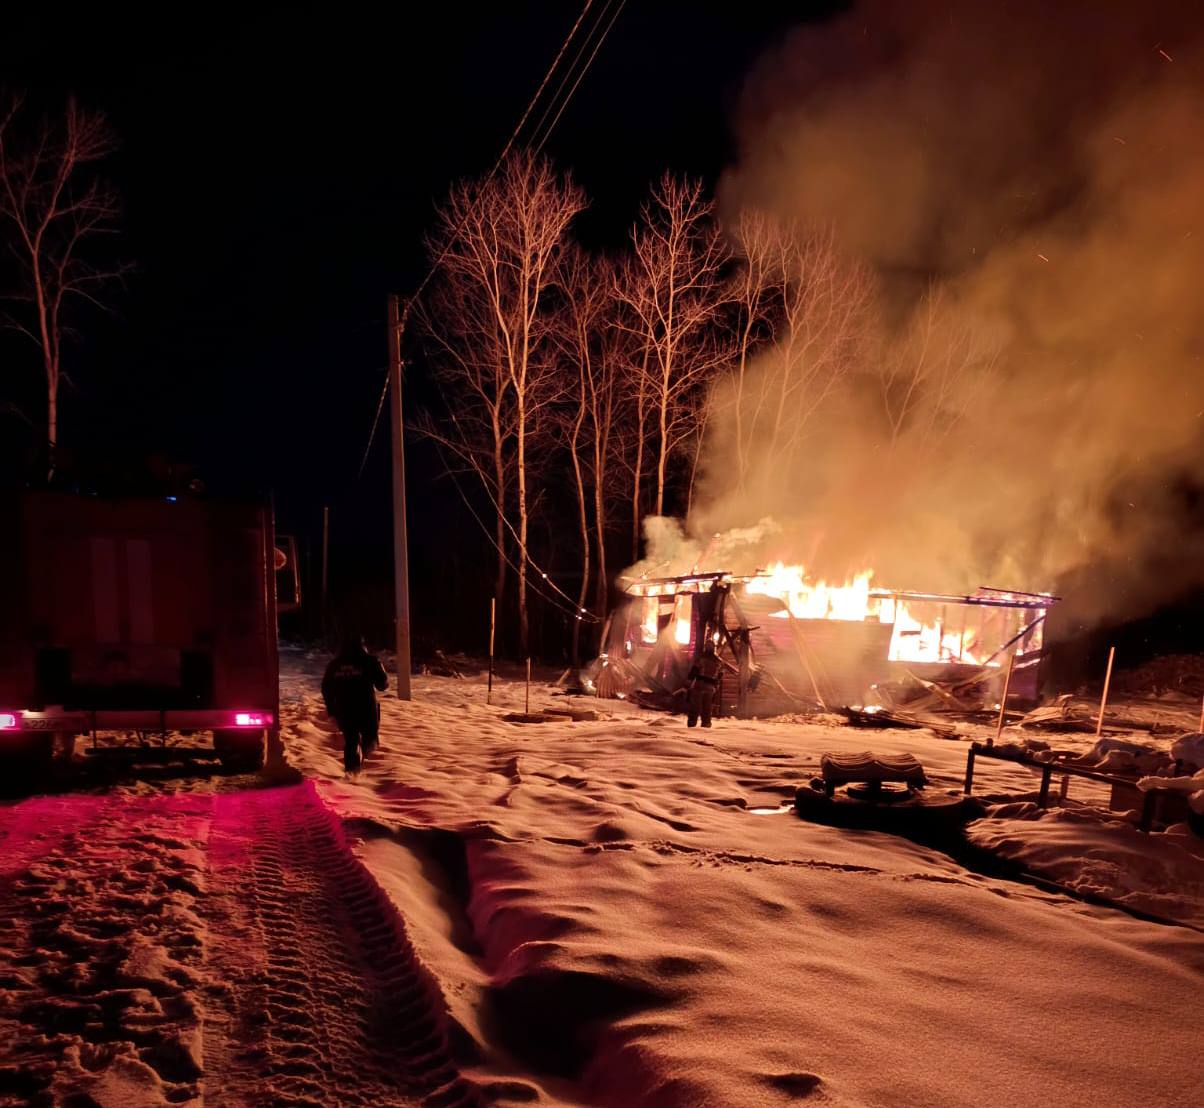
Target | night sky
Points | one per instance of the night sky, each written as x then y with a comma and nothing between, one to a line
279,167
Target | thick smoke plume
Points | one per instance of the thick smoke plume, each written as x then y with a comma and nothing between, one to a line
1025,181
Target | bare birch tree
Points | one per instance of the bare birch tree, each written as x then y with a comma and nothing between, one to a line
757,239
801,321
501,240
635,396
693,443
823,316
674,294
466,351
604,391
588,415
54,208
578,345
934,373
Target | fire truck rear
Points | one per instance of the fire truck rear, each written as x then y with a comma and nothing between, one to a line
145,617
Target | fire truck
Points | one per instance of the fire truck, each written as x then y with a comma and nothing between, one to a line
136,620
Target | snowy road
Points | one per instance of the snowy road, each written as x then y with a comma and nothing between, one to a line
224,947
577,913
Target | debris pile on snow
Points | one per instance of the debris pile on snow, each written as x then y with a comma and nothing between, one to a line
1187,755
1021,748
1062,715
1125,757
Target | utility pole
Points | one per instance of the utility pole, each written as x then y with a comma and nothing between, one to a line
401,567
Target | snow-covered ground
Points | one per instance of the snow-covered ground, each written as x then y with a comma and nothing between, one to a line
612,921
619,911
190,938
1098,855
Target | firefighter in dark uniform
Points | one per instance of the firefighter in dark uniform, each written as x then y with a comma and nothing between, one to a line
704,684
349,692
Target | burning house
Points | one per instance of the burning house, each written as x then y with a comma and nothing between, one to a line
790,644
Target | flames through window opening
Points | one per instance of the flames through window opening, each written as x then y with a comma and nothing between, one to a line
789,643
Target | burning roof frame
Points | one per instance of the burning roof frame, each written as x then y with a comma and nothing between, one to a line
662,675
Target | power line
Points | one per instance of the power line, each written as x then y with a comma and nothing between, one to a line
568,73
430,272
380,403
543,84
573,609
588,62
579,612
506,149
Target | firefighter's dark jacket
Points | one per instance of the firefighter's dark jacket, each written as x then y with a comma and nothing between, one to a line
707,669
348,685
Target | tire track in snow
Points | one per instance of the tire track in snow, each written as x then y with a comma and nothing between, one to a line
334,1006
187,948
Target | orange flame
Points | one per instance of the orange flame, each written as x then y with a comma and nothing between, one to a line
912,639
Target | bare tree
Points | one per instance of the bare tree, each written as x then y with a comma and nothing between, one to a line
500,240
467,353
801,322
674,293
694,442
823,317
581,308
605,397
589,414
758,244
54,207
636,396
934,373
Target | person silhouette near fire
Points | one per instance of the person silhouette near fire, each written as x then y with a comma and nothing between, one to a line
349,691
704,684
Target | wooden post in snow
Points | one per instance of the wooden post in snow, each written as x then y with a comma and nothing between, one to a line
1103,700
527,708
492,628
1003,702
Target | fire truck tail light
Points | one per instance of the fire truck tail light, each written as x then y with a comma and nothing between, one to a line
8,721
252,719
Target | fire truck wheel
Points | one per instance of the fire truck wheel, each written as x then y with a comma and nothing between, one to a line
62,748
241,750
34,755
